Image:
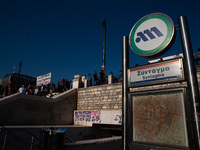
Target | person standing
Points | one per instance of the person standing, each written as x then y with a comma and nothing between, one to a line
89,78
120,76
96,80
10,88
31,90
39,91
59,86
102,77
63,85
67,84
4,91
51,89
22,89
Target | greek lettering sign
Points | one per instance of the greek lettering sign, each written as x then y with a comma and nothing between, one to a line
152,35
44,79
159,117
166,71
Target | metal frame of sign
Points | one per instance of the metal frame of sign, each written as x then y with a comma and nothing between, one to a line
156,73
172,124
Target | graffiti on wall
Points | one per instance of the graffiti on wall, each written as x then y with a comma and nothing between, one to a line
88,116
118,118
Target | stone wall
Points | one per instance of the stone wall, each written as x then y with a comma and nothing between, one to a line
102,97
109,96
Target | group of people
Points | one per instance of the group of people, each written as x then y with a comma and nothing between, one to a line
99,79
96,80
61,86
102,79
43,90
4,91
32,89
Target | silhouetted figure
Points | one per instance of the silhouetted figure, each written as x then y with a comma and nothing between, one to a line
89,80
96,80
67,84
198,57
102,77
10,88
51,89
59,86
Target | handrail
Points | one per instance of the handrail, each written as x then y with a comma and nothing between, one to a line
32,134
23,130
16,135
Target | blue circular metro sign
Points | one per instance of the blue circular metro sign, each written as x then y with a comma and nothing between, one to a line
152,35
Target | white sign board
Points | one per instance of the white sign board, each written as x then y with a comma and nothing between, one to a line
165,71
44,79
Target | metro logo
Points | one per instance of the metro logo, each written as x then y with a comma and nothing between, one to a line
149,34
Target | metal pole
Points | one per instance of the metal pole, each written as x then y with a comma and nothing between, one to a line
125,65
191,76
5,139
32,141
18,79
104,46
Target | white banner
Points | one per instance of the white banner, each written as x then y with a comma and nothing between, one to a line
44,79
88,117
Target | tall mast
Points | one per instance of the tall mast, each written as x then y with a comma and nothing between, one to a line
104,47
18,79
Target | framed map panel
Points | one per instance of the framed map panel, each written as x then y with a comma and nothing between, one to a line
159,117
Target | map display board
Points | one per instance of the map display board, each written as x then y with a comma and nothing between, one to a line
159,117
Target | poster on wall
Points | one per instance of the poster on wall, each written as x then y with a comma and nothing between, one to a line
88,117
159,117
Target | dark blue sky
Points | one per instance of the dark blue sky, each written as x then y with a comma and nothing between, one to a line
66,37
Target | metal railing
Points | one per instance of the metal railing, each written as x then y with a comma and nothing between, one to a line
10,131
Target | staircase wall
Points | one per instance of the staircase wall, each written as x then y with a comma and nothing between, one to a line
21,109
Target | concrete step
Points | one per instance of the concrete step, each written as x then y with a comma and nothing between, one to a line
109,143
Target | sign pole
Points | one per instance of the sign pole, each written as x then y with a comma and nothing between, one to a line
191,76
125,65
